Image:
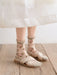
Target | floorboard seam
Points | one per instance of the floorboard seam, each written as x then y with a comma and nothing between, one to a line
48,58
19,70
40,70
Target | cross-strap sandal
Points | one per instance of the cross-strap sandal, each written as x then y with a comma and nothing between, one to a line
23,58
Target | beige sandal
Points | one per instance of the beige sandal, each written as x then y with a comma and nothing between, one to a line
33,52
24,59
27,61
38,55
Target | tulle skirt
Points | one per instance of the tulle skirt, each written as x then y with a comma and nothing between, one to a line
14,13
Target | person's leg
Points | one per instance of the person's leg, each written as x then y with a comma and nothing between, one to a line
21,54
31,45
31,31
21,32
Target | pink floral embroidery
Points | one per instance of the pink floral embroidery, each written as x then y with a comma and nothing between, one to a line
20,45
30,49
30,41
20,54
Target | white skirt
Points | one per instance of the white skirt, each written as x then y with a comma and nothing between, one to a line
26,13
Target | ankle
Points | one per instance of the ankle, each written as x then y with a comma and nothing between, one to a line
21,52
31,42
20,46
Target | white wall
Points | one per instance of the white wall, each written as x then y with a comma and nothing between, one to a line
44,34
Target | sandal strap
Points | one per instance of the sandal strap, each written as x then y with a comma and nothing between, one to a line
27,59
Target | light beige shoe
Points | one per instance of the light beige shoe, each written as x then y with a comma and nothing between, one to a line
23,58
32,51
27,61
37,55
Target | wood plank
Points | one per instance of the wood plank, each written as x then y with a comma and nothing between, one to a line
46,68
0,47
7,66
51,50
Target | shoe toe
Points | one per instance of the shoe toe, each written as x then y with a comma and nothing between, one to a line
42,57
45,58
34,63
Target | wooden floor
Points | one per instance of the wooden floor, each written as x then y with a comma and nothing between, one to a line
8,67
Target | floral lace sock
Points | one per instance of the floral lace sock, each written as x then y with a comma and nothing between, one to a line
21,52
33,51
